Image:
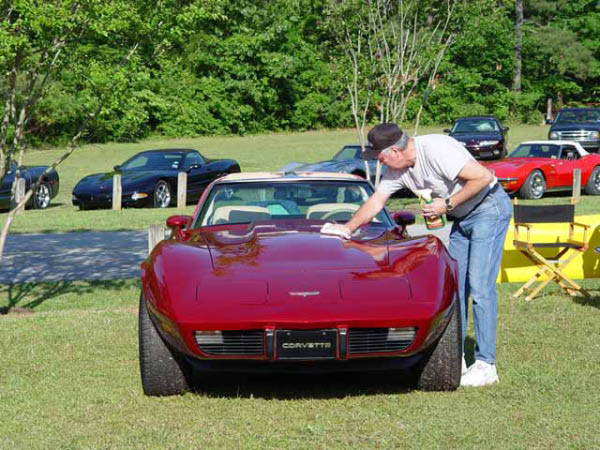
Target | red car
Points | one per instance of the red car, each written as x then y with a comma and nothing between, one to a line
250,284
537,167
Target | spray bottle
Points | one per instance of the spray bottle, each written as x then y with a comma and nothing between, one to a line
432,223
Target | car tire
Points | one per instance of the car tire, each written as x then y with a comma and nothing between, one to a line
534,186
162,195
592,187
162,371
440,369
359,173
42,196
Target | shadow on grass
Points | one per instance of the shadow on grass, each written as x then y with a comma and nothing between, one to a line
25,297
303,386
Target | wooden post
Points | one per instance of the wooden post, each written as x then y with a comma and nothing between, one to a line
549,109
19,194
576,186
156,233
181,189
117,191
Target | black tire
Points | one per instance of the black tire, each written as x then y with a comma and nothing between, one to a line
359,173
42,196
592,187
440,369
162,195
163,372
534,186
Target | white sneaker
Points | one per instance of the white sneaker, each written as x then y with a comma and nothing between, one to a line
480,374
463,367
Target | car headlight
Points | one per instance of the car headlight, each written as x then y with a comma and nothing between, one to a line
488,142
595,134
554,135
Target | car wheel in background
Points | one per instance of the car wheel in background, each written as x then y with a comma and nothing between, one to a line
163,373
162,194
534,186
41,196
440,369
592,187
359,173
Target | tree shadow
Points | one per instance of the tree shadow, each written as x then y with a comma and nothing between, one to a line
25,297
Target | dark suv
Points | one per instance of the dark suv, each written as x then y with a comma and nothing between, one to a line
577,124
483,136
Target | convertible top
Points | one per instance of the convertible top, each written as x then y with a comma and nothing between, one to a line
287,176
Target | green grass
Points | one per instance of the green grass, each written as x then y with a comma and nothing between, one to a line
69,379
260,152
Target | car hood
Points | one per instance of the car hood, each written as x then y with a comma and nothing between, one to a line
575,127
266,247
104,180
476,137
511,165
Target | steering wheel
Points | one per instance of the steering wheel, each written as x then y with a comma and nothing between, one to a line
328,215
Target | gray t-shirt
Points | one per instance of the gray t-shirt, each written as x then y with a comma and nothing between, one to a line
440,159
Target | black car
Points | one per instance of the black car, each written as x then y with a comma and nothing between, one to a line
347,160
577,124
483,136
150,179
44,193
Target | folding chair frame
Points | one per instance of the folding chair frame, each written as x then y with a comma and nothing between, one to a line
553,268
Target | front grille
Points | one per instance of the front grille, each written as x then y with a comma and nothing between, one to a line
380,340
231,343
577,135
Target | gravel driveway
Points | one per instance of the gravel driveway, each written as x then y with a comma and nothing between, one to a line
97,255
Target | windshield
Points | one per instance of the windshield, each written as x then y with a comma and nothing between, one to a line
348,152
153,161
475,126
536,151
578,116
278,200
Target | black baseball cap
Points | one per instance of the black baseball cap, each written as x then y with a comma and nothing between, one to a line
381,137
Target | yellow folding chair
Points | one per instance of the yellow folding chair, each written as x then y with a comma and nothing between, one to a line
565,244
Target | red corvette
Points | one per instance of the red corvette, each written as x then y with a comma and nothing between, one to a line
250,284
536,167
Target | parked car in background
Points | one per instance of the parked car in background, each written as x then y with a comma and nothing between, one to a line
537,167
483,136
577,124
44,193
250,284
347,160
150,179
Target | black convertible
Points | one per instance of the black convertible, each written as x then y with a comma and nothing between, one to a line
44,193
150,179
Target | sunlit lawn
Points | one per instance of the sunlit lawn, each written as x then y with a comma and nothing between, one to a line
260,152
69,379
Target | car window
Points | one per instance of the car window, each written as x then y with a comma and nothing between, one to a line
347,152
536,151
475,126
569,152
578,116
153,161
302,200
193,159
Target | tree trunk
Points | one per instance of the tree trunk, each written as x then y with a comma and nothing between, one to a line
518,46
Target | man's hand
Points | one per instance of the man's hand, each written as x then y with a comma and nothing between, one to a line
434,209
336,229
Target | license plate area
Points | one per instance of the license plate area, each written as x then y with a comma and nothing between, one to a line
306,344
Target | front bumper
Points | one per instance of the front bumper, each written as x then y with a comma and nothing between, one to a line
104,201
485,153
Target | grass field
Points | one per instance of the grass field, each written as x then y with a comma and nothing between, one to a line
70,380
260,152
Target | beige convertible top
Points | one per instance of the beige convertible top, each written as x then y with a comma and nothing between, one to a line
288,176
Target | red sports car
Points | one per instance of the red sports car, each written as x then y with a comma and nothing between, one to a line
250,284
536,167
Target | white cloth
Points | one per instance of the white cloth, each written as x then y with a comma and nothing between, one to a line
439,160
332,230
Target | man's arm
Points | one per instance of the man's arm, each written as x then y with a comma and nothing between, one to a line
475,176
366,212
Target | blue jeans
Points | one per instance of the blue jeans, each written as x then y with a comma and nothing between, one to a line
476,242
